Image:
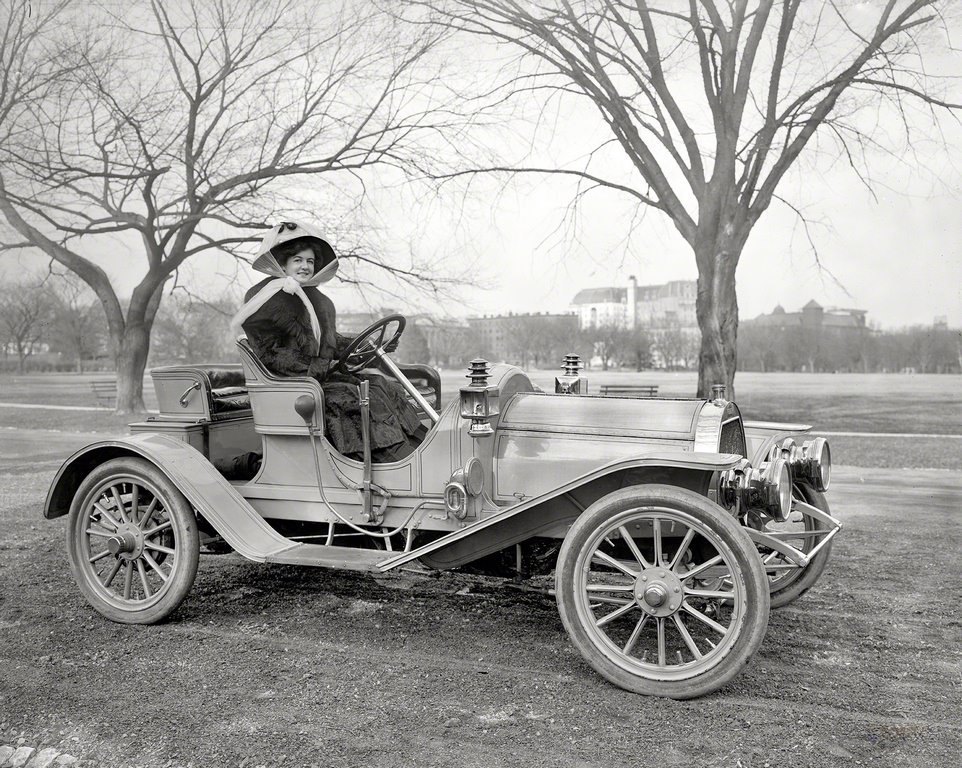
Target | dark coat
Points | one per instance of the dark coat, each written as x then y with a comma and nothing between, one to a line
281,336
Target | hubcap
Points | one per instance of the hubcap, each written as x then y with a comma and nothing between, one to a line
655,595
659,592
121,545
127,542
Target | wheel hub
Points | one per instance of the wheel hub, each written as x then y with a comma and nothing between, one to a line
659,592
655,595
127,543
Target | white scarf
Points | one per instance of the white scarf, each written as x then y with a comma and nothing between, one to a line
287,284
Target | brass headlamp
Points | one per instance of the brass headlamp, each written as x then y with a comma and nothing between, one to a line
811,461
768,487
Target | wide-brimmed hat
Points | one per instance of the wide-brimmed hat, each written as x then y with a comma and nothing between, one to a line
325,261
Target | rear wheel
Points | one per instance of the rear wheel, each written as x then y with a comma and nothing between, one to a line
787,583
662,592
132,541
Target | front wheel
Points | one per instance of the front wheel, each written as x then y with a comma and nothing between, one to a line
662,592
132,541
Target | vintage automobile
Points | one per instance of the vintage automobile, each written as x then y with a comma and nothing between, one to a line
670,525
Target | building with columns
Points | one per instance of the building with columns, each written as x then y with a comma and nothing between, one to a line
670,305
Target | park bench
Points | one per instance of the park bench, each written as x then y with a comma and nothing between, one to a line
629,390
105,390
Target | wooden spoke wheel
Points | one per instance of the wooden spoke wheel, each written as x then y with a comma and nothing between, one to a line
132,541
662,591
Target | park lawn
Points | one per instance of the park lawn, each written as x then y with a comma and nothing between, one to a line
897,452
103,421
61,389
918,404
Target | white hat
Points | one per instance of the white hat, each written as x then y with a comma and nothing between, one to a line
325,265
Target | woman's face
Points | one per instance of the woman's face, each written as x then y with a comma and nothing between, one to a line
300,266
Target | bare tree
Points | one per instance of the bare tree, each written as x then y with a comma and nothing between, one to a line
629,346
607,342
25,316
672,343
173,130
78,328
188,329
760,347
413,346
540,340
711,104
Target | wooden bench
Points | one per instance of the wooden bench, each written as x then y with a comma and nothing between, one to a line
629,390
105,391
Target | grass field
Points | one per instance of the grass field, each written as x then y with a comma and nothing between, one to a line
927,404
914,404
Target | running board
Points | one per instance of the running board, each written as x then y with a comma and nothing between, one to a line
345,558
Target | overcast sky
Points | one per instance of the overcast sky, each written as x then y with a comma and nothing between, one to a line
895,251
897,255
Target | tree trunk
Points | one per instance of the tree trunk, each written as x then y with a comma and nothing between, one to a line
717,310
131,360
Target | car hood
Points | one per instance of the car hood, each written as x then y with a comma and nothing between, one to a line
659,419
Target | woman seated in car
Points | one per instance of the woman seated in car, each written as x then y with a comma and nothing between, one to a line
290,325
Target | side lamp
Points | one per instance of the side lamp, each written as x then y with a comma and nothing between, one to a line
478,400
571,382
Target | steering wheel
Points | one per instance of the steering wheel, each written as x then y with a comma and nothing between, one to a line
363,349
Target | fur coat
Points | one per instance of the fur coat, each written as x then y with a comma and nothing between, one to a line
281,336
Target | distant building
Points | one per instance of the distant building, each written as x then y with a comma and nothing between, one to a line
601,306
670,305
813,316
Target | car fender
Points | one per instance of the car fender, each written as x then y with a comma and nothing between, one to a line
558,508
203,486
762,435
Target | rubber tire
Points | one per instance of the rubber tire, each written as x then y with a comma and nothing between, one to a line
811,573
187,541
756,612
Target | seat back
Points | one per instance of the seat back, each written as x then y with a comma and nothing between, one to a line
199,391
254,370
273,397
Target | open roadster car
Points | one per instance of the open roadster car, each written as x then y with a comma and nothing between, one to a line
670,525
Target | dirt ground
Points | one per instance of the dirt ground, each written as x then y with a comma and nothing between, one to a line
285,666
